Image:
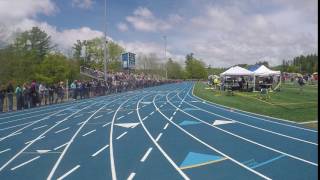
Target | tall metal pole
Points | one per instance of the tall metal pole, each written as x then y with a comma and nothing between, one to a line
105,40
165,54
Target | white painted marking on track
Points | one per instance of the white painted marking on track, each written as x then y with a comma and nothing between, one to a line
159,136
100,150
121,135
14,134
165,127
78,115
130,112
131,176
60,146
146,155
120,117
80,123
106,124
175,113
98,117
86,134
5,150
61,130
27,162
144,118
110,112
35,139
69,172
151,112
39,127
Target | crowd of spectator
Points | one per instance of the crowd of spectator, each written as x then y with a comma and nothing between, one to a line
35,94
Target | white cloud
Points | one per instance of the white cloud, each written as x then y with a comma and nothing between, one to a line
83,4
122,27
230,34
144,20
22,18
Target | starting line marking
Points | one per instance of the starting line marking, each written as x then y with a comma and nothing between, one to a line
88,133
27,162
131,176
69,172
121,135
100,150
146,155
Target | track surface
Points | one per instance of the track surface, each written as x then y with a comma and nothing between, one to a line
162,132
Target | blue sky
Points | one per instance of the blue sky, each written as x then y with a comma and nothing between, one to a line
220,32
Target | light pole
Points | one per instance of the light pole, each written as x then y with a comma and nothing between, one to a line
105,40
165,54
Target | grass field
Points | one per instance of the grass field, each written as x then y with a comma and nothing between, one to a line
288,103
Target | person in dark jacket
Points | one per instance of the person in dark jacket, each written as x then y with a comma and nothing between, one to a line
2,97
10,91
51,89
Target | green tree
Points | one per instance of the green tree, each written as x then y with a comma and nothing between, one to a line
195,68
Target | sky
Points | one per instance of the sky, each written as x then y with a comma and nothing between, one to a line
221,33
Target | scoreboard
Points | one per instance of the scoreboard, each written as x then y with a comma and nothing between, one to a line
128,60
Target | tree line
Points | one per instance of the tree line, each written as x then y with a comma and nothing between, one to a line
33,56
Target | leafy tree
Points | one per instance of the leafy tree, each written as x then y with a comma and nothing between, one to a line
195,68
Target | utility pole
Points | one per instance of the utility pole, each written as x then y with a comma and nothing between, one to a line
165,54
105,40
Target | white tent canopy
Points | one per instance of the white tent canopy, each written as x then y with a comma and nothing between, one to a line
237,71
264,71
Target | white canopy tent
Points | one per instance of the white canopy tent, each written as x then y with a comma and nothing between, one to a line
237,71
264,71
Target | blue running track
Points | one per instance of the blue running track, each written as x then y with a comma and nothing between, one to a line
162,132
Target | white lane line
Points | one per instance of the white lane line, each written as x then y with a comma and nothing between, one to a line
243,113
61,130
10,127
146,155
171,117
22,164
131,176
159,136
100,150
80,123
35,139
5,150
165,127
56,148
121,135
106,124
175,113
69,172
130,112
78,115
151,113
161,106
249,140
144,118
120,117
157,145
98,117
86,134
212,148
110,112
39,127
17,133
255,127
